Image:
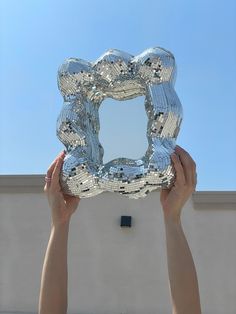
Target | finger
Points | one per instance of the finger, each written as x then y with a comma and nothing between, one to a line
180,150
193,164
188,165
180,176
194,185
49,174
55,184
52,166
50,171
194,176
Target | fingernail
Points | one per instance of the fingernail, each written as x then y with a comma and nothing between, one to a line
61,156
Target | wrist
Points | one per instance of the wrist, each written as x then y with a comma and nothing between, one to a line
61,226
172,218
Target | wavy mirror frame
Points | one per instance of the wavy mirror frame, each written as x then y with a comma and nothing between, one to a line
120,76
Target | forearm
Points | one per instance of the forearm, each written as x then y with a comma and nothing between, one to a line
53,291
181,269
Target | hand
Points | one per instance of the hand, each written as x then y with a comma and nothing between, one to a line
62,205
173,199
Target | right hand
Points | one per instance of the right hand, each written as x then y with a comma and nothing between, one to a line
173,199
62,205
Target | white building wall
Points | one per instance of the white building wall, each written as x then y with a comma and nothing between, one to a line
114,270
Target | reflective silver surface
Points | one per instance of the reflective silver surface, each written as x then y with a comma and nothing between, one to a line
121,76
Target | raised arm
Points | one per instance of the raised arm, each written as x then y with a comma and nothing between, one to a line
53,290
183,281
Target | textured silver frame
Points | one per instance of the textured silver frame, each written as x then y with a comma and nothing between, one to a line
121,76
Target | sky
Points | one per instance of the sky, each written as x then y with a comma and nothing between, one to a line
37,36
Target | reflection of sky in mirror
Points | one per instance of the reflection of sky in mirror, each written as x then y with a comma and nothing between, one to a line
36,36
117,116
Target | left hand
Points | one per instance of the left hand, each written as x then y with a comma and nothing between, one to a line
62,205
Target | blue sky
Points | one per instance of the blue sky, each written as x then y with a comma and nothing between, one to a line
37,36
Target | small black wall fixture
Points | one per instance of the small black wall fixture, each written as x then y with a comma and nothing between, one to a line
125,221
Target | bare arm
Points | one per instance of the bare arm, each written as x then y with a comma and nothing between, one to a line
53,293
183,281
182,273
53,290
